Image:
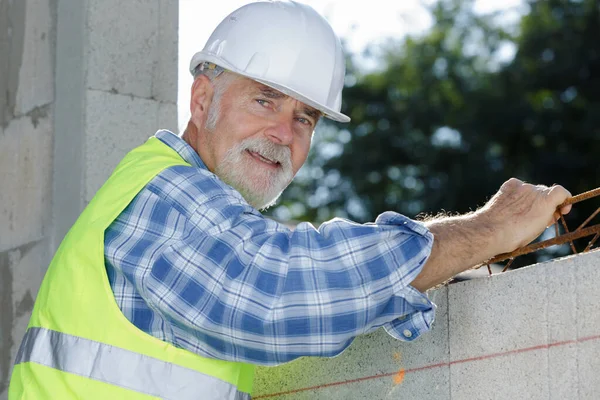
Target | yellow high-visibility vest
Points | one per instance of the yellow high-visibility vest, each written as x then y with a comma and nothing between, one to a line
79,345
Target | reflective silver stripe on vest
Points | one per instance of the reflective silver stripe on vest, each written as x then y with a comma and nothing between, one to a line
120,367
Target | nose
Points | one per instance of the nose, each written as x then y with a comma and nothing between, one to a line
281,132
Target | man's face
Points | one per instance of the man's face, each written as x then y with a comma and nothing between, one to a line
260,140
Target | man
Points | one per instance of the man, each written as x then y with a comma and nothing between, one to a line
172,285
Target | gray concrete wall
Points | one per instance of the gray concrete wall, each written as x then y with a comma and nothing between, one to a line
528,334
27,42
81,83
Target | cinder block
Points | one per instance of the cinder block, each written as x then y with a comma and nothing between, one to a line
36,73
497,314
431,348
561,298
562,372
115,124
588,354
26,165
369,355
587,274
286,377
167,117
165,70
431,384
527,334
30,263
514,376
21,270
123,46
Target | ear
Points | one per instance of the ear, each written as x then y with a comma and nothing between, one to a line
201,98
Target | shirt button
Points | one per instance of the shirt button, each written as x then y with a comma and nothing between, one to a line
425,301
407,333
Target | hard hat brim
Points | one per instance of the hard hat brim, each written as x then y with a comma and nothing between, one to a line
327,112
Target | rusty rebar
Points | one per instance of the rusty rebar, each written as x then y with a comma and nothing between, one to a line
584,223
562,239
580,197
566,228
568,237
507,265
591,243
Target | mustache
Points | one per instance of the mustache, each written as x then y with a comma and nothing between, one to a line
270,150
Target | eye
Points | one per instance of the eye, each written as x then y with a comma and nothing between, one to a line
263,102
304,121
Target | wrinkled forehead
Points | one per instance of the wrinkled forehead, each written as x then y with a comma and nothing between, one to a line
255,88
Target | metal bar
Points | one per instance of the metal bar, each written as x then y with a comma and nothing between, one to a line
568,237
581,197
564,224
584,223
591,243
508,264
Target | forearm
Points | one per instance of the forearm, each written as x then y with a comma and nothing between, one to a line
459,243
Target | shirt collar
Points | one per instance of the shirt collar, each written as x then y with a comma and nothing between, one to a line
186,151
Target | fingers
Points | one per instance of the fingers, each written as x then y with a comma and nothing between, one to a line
558,196
566,209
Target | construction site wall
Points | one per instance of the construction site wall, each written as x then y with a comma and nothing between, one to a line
81,83
533,333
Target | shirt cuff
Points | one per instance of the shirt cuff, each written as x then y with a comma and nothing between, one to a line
410,326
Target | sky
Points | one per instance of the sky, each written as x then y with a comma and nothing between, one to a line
359,24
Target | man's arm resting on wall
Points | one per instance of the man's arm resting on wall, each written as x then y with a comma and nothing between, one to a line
514,217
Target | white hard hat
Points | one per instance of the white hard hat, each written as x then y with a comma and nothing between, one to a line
285,45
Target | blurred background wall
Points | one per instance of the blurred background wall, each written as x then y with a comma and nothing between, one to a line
81,83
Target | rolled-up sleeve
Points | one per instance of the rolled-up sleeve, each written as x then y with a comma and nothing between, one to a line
238,286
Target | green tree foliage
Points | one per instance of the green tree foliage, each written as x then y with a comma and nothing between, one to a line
444,122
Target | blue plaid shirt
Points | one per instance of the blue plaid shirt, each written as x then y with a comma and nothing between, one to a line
191,263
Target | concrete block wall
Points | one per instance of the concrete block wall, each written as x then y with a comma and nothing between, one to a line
27,41
117,68
533,333
131,80
81,83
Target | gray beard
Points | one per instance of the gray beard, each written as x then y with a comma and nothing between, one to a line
260,187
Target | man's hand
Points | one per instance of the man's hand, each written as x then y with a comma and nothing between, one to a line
512,218
522,211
